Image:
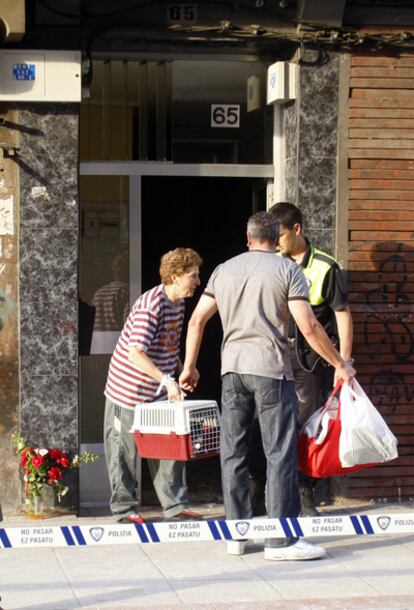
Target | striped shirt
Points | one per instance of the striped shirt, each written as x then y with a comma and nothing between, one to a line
111,303
154,325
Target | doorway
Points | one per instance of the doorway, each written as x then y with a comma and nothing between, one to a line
207,213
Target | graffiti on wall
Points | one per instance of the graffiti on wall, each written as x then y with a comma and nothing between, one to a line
391,318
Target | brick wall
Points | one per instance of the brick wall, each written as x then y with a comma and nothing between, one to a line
381,256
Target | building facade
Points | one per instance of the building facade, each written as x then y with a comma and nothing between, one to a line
172,142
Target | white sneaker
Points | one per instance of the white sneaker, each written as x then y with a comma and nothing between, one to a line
239,547
299,551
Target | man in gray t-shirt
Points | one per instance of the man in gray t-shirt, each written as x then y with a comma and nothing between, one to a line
253,294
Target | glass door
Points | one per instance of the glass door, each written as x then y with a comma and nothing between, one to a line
103,307
136,212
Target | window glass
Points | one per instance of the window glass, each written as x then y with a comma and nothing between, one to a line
211,120
104,289
185,111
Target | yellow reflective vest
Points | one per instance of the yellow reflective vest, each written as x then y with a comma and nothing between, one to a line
315,267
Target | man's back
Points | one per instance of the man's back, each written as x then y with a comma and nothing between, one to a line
252,291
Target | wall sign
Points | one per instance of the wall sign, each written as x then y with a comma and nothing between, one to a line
225,115
182,13
24,71
40,75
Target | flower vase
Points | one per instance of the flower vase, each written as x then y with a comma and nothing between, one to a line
40,506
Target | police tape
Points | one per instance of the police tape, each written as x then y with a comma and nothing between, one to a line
325,525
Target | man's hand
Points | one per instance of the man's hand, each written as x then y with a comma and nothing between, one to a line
344,371
206,308
189,378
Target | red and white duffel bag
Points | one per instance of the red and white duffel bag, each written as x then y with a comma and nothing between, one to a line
346,434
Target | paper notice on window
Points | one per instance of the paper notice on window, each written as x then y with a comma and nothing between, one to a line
104,341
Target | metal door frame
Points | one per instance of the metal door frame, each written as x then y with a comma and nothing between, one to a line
136,170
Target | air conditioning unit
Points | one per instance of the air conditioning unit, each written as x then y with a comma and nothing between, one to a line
12,20
281,82
40,76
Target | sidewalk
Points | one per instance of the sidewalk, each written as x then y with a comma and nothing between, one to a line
360,572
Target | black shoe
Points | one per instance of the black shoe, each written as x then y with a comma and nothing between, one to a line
307,502
257,488
322,492
259,510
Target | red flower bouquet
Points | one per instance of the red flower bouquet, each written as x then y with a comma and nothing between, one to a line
43,466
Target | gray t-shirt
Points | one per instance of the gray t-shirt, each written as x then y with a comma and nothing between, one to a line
251,291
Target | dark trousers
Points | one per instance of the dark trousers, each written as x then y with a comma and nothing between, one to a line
312,390
275,403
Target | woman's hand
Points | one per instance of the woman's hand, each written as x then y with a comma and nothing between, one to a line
174,391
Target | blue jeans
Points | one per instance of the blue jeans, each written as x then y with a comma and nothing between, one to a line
276,405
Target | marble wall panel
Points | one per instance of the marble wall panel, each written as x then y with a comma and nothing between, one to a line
319,109
291,182
49,273
323,238
49,130
48,264
49,338
317,192
290,130
49,417
310,130
49,191
49,165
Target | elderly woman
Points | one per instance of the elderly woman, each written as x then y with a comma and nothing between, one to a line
142,367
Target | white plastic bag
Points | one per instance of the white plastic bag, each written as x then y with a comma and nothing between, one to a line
365,437
317,425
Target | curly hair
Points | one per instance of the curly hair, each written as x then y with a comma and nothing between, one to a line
177,262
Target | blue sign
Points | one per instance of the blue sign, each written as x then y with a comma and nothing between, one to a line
24,72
